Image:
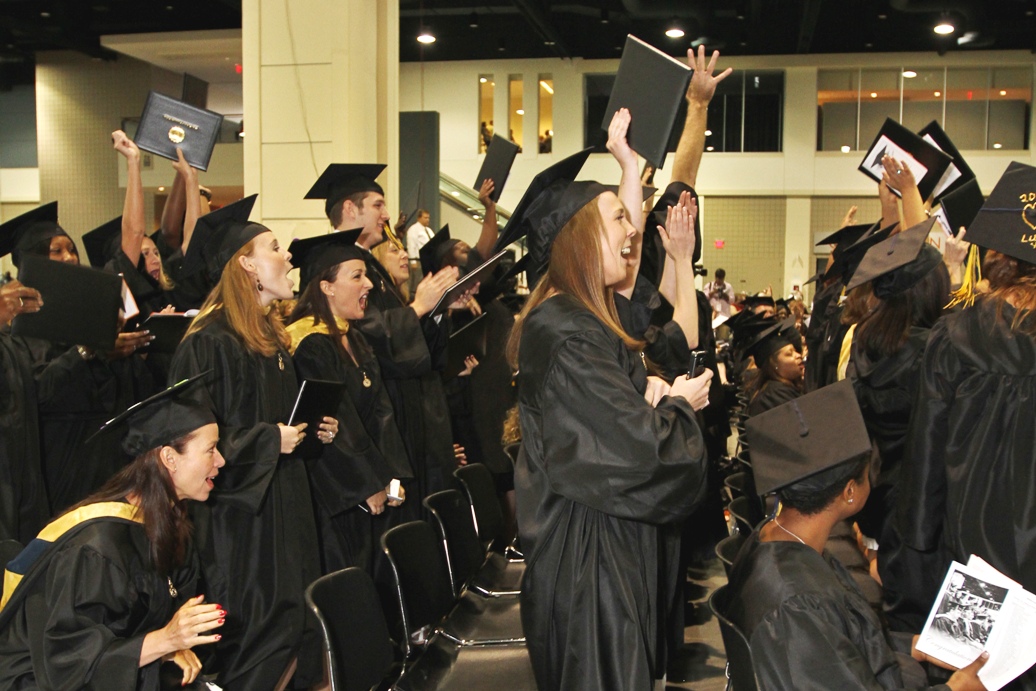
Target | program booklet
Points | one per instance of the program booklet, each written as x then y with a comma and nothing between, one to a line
978,608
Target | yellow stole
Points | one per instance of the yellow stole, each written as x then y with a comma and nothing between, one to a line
308,325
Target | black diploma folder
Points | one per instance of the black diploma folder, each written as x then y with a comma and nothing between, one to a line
926,161
168,330
497,165
652,85
167,124
80,304
317,399
470,339
482,273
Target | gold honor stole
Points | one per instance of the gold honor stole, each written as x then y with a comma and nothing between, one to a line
20,565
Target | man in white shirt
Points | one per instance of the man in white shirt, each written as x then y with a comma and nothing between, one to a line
418,234
720,294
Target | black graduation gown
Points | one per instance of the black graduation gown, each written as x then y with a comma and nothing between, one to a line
366,454
256,535
411,353
146,291
23,498
968,482
824,338
492,393
78,618
773,394
807,624
599,470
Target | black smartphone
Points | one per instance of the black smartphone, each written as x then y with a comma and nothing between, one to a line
697,367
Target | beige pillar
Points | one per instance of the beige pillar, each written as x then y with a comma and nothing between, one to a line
321,85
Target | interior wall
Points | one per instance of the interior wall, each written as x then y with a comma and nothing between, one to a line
745,236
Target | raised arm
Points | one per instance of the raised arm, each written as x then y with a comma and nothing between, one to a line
629,192
191,197
678,240
699,93
490,231
900,178
133,207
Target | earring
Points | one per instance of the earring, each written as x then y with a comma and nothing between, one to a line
850,500
332,293
259,285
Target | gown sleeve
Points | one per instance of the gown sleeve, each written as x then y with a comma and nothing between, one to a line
398,338
88,598
251,452
607,448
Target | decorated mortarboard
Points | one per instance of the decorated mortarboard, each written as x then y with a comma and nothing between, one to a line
846,235
925,160
312,256
554,208
806,436
958,172
898,262
652,253
340,180
23,232
1007,221
218,235
530,210
102,242
435,250
962,205
162,418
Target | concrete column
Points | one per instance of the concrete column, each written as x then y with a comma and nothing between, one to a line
321,85
798,245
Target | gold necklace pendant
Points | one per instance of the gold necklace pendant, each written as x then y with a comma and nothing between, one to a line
280,361
172,588
366,380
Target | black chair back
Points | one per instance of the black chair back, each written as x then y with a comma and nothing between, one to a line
464,553
736,483
422,577
740,670
481,490
727,549
356,637
746,513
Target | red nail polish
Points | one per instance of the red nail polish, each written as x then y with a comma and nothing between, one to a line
221,621
222,613
218,637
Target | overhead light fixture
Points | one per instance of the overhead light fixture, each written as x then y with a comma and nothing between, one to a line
425,36
708,133
937,94
883,16
909,74
482,80
549,43
1003,92
944,27
547,87
674,30
874,94
868,45
604,16
45,14
520,111
710,148
502,46
968,37
997,145
161,189
846,148
473,20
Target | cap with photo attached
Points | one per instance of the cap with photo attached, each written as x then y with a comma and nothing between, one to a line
899,262
341,180
103,242
163,418
25,232
219,235
312,256
1007,221
806,436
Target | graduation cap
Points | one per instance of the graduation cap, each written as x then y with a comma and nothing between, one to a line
925,160
962,205
23,233
753,301
162,418
790,333
1007,221
435,250
218,235
341,180
846,260
846,235
528,212
958,172
102,242
313,256
746,326
768,341
806,436
815,277
553,209
898,262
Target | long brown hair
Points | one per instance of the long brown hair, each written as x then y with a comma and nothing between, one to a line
313,303
166,523
575,269
1012,281
234,297
886,328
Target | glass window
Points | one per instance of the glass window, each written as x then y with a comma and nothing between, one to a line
922,97
515,110
879,99
485,111
763,111
597,88
967,107
545,130
1010,100
838,95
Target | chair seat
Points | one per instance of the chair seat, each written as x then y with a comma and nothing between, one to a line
445,666
477,620
498,577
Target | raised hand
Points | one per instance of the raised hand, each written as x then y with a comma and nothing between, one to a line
17,299
678,234
617,143
703,82
484,193
124,145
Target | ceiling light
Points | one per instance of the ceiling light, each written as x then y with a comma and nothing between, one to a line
710,148
674,30
482,80
161,189
425,37
846,148
241,134
883,16
944,28
874,94
868,45
44,14
1003,92
549,43
708,133
520,112
547,87
968,37
997,145
604,16
473,20
909,74
937,94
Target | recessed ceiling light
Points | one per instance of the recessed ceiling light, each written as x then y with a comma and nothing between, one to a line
868,45
44,14
846,148
674,32
874,94
520,112
937,94
741,17
425,37
883,16
909,74
547,87
710,148
549,43
482,80
161,189
944,28
708,133
604,16
473,20
997,145
1003,92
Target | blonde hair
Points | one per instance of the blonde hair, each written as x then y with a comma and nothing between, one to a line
235,298
380,253
575,269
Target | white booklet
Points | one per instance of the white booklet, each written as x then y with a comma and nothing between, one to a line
978,608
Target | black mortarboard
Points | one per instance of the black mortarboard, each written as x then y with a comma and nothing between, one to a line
846,235
435,250
163,418
790,333
528,212
497,286
898,262
962,205
746,327
652,253
753,301
24,232
102,242
767,342
218,235
781,302
847,259
340,180
1007,221
815,277
553,209
806,436
928,162
312,256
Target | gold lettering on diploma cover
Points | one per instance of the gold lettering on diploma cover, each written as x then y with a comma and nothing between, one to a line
176,134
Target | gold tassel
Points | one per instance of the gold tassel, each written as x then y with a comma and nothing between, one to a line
969,281
393,238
